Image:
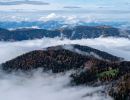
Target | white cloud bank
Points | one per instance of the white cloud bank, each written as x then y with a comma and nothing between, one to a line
44,86
116,46
72,19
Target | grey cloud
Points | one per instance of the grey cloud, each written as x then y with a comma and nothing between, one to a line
72,7
24,2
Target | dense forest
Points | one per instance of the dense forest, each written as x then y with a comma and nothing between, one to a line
77,32
111,71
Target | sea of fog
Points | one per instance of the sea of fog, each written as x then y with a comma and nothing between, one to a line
47,86
117,46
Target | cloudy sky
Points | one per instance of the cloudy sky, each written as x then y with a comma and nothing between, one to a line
122,5
66,6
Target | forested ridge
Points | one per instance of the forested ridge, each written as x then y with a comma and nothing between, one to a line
111,71
77,32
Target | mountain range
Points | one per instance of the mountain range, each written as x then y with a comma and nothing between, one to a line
55,24
76,32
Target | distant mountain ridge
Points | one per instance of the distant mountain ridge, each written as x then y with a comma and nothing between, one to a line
55,24
77,32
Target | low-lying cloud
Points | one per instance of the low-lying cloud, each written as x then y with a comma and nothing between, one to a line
45,86
116,46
